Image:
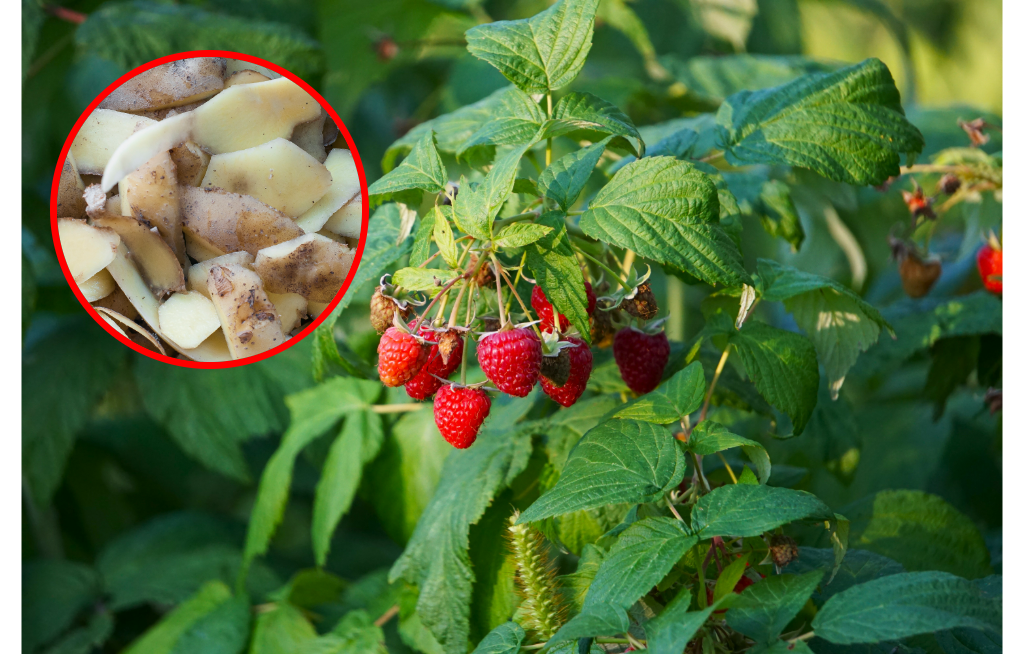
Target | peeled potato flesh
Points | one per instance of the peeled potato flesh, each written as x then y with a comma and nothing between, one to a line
153,257
169,85
213,349
278,173
190,162
231,222
188,319
344,187
200,272
98,286
70,203
199,248
313,266
103,132
291,308
130,281
249,320
151,194
235,65
87,249
245,77
347,221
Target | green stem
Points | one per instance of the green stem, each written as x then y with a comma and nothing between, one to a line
547,152
497,289
498,224
608,270
519,275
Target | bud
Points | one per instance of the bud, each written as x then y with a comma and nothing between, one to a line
642,305
446,344
783,550
975,131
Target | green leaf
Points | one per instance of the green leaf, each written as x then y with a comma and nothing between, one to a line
617,461
516,120
176,626
709,437
857,567
358,444
673,628
87,639
717,77
782,366
53,594
778,214
428,280
422,240
839,323
518,235
130,34
224,630
436,557
854,115
680,396
32,19
503,639
597,620
919,530
564,179
904,605
475,207
355,633
745,510
552,262
667,211
443,235
422,170
406,472
542,53
589,114
527,186
76,362
763,610
201,412
313,412
283,629
729,577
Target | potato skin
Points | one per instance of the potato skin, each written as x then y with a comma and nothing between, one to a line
249,320
70,202
169,85
314,267
231,222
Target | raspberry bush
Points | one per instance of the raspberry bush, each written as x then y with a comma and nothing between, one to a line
714,367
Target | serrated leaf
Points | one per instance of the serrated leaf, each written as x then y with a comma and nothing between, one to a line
709,437
673,628
839,323
427,280
74,361
585,112
282,629
746,510
32,18
224,630
518,235
783,367
598,620
778,214
53,594
857,567
719,76
763,610
667,211
907,604
617,461
357,445
436,557
680,396
527,186
443,235
542,53
854,115
474,209
422,170
130,34
920,531
422,240
729,577
503,639
552,262
564,179
177,625
514,121
313,412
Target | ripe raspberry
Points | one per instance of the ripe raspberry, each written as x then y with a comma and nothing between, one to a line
546,313
581,362
990,267
424,384
401,356
458,412
383,310
511,359
641,358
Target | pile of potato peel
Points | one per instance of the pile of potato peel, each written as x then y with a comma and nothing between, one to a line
205,211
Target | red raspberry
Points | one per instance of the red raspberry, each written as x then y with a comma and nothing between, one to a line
582,362
458,412
424,384
511,359
990,267
641,358
401,356
546,313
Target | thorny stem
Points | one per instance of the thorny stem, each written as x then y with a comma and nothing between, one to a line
714,381
604,267
497,288
397,408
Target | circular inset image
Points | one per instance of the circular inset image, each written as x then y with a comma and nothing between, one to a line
208,210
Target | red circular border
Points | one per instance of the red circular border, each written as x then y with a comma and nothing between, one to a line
218,364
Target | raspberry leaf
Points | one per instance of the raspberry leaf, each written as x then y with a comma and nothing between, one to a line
518,235
906,604
673,628
515,121
667,211
211,617
680,396
709,437
749,510
617,461
584,115
552,262
476,205
764,609
443,235
503,639
542,53
427,280
854,115
421,171
564,179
